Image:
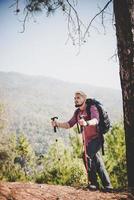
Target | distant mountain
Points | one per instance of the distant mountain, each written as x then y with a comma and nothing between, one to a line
32,100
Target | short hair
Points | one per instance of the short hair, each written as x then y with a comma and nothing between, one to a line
81,93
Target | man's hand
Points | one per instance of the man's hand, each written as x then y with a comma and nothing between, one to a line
82,122
54,123
59,124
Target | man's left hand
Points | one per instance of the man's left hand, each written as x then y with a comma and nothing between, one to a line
82,122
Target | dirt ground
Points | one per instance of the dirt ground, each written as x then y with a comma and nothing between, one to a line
31,191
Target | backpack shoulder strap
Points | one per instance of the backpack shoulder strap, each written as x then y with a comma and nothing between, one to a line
98,105
76,114
89,103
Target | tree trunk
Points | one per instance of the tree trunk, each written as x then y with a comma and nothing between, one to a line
124,22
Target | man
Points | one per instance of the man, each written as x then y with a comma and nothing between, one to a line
93,142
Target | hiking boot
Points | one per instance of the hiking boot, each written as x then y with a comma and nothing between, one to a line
108,189
93,187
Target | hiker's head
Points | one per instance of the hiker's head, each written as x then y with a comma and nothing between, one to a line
79,98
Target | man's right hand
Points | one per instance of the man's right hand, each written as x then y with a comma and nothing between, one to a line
60,125
54,123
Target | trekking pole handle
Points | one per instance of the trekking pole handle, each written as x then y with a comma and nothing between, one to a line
53,119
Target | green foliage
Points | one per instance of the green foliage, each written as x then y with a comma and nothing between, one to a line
76,144
31,105
115,156
11,148
1,117
7,155
12,151
25,150
25,157
62,166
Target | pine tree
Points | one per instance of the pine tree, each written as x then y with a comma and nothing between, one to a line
26,155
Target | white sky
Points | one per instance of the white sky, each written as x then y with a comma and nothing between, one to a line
41,49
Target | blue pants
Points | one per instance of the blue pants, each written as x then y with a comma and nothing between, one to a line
96,164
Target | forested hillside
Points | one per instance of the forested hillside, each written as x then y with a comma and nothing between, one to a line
31,101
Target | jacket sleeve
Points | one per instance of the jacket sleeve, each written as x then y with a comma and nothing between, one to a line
73,120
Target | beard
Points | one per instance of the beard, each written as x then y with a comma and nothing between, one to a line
78,105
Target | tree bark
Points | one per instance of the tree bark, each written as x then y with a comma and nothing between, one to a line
124,23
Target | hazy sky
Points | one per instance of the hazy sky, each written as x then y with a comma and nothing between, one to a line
42,48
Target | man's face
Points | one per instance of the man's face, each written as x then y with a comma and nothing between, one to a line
79,100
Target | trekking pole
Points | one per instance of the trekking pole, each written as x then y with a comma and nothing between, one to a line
55,127
85,150
55,130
